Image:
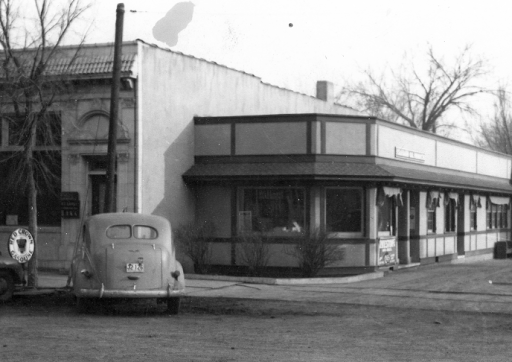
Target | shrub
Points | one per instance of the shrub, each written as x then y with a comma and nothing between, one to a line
254,251
314,252
194,241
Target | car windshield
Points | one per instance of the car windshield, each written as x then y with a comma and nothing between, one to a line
144,232
119,232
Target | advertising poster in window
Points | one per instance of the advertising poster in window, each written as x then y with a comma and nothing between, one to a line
387,251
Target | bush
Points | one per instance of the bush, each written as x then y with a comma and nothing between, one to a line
254,251
314,252
194,241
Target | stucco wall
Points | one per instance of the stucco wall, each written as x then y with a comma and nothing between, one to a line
442,153
174,89
271,138
214,205
390,138
345,138
212,139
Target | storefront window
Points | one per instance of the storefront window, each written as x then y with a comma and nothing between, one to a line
274,211
473,216
502,216
388,198
344,210
385,213
13,198
431,218
497,212
450,213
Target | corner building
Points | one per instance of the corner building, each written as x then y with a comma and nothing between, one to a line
372,185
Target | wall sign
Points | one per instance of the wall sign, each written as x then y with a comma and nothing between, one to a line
407,155
387,251
21,245
70,205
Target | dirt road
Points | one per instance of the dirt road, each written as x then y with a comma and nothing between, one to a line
47,328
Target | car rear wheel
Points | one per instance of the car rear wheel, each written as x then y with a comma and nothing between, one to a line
6,286
173,305
85,305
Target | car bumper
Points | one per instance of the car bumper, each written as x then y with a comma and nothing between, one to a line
117,293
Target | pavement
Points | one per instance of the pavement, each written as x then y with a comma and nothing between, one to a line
472,286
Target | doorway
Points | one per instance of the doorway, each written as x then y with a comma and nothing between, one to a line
98,188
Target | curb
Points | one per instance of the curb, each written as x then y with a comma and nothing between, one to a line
287,281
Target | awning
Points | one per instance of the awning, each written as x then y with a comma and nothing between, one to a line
452,196
475,200
416,174
433,199
498,200
393,192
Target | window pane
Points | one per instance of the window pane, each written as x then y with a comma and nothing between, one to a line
384,215
13,198
343,210
278,211
119,232
144,232
431,216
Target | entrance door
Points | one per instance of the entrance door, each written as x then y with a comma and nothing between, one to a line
460,227
98,188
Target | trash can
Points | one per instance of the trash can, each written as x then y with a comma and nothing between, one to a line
500,250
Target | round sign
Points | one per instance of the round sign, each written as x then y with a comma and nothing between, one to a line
21,245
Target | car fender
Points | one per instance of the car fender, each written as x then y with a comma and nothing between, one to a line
179,281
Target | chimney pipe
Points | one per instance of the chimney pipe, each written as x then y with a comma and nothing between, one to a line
325,91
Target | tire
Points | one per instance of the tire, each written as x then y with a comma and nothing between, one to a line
84,305
173,306
6,286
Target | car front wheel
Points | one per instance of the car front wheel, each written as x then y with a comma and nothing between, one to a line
6,286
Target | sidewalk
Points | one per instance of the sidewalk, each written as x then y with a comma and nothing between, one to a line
484,286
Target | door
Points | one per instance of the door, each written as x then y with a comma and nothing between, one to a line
98,189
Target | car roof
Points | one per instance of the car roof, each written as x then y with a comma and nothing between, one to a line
103,221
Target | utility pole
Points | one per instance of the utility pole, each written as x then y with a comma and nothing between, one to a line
114,113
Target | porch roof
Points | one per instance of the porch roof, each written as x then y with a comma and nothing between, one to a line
349,171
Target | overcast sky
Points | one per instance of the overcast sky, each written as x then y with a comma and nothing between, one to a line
293,43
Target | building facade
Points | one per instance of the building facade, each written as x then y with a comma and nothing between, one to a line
162,91
386,194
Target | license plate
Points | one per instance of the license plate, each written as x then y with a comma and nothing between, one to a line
134,268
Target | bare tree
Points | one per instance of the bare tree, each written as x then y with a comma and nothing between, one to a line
496,134
30,36
421,99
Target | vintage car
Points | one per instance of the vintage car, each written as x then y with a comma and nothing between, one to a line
11,273
127,255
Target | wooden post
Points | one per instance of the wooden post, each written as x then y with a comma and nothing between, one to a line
114,112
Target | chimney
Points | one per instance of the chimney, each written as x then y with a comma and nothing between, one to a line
325,91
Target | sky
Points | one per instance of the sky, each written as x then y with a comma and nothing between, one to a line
294,43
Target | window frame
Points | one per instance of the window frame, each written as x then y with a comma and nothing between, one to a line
389,206
450,216
432,217
271,234
346,234
473,216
